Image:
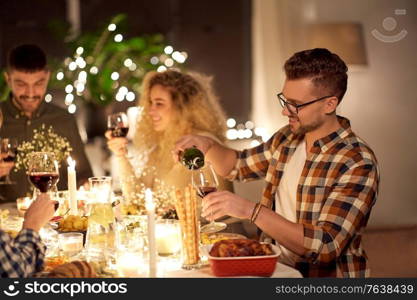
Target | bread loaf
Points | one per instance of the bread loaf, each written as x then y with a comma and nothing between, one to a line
75,269
240,247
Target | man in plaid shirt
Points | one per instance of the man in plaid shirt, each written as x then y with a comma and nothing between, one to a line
24,255
321,179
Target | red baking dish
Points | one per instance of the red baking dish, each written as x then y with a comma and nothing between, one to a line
244,265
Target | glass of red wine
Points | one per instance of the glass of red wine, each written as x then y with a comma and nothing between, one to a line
118,123
205,182
8,153
43,172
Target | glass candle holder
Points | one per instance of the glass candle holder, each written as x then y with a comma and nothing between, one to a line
168,237
70,243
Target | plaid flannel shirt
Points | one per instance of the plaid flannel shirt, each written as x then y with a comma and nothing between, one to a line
22,256
336,191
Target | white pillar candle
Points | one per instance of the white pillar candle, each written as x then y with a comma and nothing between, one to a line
150,208
72,186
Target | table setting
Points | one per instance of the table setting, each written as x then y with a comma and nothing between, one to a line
97,231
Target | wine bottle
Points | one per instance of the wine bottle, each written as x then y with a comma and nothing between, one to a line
192,158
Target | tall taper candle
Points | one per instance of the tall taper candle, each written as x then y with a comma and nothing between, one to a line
72,187
150,208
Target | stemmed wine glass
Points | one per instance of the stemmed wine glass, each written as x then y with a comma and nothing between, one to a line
118,123
43,171
8,153
205,182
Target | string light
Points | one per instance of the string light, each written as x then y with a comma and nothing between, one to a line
69,88
48,98
72,66
132,67
111,27
168,49
79,50
80,82
69,98
154,60
128,62
130,96
123,90
231,122
94,70
60,75
169,62
118,38
120,97
72,108
114,75
161,69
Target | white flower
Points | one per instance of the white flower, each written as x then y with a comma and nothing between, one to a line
43,140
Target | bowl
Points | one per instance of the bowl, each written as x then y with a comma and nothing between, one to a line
263,266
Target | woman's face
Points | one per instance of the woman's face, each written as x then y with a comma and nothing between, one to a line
161,107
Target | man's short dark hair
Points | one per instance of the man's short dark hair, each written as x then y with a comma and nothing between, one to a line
26,58
325,69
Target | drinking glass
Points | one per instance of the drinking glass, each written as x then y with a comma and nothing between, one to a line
101,231
71,243
205,181
8,153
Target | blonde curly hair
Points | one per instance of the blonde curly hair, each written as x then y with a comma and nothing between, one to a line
197,110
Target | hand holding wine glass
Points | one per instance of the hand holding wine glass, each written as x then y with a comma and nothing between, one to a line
205,182
43,171
118,124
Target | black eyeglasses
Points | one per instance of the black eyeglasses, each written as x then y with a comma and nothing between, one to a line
294,108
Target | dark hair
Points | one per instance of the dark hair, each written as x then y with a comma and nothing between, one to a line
26,58
326,70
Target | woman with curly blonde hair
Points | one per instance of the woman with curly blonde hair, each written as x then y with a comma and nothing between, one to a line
173,104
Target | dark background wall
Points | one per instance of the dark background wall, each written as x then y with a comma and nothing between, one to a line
215,34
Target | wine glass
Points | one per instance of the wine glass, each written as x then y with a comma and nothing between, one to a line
8,153
43,171
205,182
118,123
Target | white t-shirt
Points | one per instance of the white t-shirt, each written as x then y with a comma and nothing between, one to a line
286,195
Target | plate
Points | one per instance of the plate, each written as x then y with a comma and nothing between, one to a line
211,238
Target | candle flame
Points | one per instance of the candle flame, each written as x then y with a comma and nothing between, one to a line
71,162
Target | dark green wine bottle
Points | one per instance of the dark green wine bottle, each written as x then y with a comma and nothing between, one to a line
192,158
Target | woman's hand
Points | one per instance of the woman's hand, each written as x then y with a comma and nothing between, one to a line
116,145
226,203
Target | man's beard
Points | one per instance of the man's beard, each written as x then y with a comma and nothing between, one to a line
303,129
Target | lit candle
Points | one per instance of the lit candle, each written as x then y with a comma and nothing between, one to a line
150,208
167,238
72,186
130,265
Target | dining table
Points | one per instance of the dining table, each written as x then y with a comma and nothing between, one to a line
171,269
